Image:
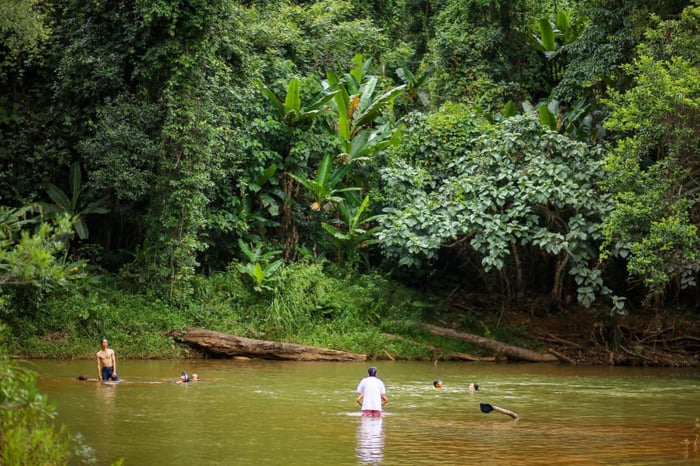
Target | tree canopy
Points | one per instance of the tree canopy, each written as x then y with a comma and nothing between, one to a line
415,137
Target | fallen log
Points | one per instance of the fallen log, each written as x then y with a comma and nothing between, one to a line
513,352
224,344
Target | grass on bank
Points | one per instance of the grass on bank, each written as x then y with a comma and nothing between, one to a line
304,303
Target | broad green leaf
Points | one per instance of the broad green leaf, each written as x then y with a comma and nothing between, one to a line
547,118
292,101
324,170
509,109
258,274
547,38
273,98
75,183
81,229
59,197
374,109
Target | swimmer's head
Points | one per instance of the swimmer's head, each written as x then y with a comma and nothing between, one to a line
437,383
372,371
195,376
473,386
184,377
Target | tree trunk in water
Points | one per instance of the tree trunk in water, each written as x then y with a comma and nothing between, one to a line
510,351
224,344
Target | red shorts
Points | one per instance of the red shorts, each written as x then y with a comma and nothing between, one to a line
371,413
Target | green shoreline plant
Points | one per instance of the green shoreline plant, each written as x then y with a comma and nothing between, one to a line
27,433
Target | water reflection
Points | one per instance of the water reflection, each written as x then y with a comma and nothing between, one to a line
370,441
107,395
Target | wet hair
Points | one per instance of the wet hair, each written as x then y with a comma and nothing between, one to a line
437,382
372,371
476,385
184,376
82,377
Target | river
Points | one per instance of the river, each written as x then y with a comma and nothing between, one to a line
253,412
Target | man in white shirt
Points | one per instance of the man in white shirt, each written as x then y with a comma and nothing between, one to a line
372,394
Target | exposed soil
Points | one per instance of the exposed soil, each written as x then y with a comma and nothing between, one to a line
579,336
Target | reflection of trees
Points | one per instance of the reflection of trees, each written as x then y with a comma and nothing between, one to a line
370,441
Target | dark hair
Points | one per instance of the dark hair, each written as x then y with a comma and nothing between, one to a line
186,377
476,385
436,382
372,371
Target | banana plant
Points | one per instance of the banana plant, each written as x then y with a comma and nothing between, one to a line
576,121
293,110
349,234
270,196
323,187
414,84
551,39
261,266
362,128
552,36
74,205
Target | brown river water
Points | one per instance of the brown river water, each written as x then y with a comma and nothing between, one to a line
304,413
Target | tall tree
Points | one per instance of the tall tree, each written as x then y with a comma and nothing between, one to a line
654,168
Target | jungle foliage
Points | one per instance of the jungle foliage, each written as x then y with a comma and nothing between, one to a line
517,148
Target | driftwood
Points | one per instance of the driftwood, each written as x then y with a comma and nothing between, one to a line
487,408
223,344
513,352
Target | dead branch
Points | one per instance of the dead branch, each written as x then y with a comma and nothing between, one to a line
562,357
510,351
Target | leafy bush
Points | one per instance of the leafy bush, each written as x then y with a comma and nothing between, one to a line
27,435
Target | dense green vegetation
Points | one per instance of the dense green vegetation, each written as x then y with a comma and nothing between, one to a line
28,436
321,171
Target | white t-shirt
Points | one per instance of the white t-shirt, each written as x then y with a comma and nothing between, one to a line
372,388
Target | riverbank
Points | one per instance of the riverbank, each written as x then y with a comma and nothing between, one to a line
643,338
367,314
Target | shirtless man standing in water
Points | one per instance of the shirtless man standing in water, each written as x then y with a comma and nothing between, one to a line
106,363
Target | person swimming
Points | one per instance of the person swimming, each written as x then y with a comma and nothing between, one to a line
473,387
437,383
184,378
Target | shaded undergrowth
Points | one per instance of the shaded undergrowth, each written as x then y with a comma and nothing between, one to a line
306,304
